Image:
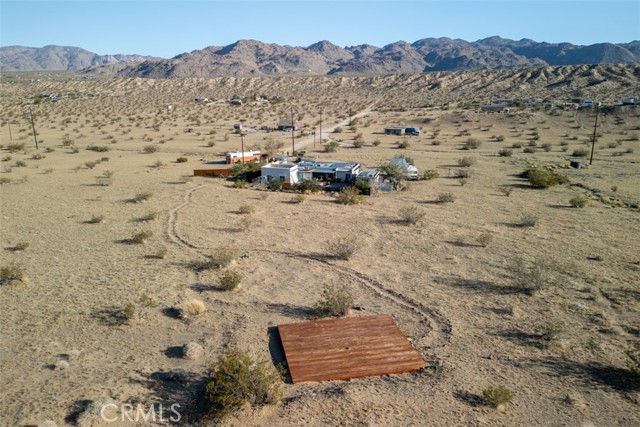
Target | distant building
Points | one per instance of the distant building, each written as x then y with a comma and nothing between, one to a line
287,125
287,173
395,130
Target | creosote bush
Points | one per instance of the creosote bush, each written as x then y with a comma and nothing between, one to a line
230,279
182,160
430,174
96,219
466,162
411,215
342,247
220,258
350,196
496,396
446,197
140,237
550,331
528,220
531,278
11,274
471,144
237,379
578,201
541,178
336,300
505,152
246,209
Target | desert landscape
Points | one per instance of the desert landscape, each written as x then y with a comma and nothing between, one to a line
108,238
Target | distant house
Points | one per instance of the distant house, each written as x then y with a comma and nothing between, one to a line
371,176
287,125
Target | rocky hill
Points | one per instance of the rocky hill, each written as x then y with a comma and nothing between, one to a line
55,58
255,58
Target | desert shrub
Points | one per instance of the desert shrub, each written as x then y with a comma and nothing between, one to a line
239,183
331,147
192,308
393,171
298,198
411,215
220,258
580,152
15,146
466,162
38,156
446,197
430,174
402,144
529,279
97,411
21,164
550,331
246,209
309,186
148,149
529,150
230,279
471,144
140,237
578,201
376,142
49,150
336,300
541,178
350,196
338,129
182,160
547,147
5,180
528,220
500,138
275,184
237,379
11,274
96,219
633,358
505,152
161,253
463,173
21,246
358,143
496,396
342,247
158,164
150,216
98,148
506,191
141,197
484,239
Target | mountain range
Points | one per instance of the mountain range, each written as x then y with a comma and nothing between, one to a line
255,58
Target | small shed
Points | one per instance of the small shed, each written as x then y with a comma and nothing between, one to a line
285,172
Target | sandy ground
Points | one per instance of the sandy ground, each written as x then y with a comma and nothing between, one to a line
454,298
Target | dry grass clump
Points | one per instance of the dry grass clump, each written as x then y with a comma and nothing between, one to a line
541,178
350,196
237,379
20,246
342,247
466,162
528,220
98,148
484,239
220,258
192,308
550,331
497,396
430,174
230,279
298,198
150,216
411,215
246,209
633,358
148,149
336,300
192,351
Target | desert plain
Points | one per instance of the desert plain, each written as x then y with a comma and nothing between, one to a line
97,315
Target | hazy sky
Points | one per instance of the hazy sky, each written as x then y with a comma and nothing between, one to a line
168,27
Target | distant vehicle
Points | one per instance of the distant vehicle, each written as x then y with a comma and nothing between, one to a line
628,101
412,131
586,103
238,156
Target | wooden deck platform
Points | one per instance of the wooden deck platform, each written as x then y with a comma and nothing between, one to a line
346,348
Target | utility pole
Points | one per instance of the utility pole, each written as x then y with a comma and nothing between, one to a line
320,128
595,127
350,117
242,145
10,136
33,126
293,134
